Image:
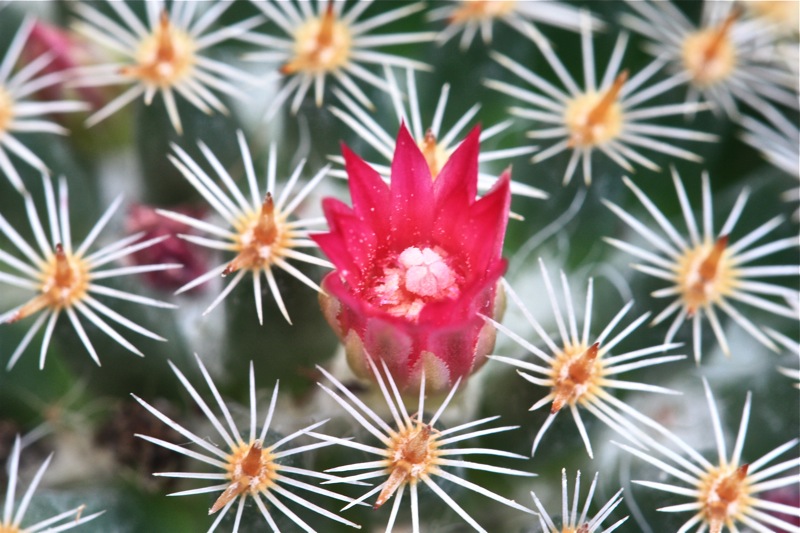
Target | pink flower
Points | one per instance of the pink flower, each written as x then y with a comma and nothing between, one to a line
416,262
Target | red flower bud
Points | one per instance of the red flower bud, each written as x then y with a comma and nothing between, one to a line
143,218
66,53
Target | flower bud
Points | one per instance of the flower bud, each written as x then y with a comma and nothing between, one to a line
143,218
66,54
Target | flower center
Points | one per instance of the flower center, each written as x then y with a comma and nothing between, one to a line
478,10
65,280
411,455
595,118
434,154
251,469
575,371
259,239
709,55
9,529
320,45
415,277
6,114
724,495
705,275
165,57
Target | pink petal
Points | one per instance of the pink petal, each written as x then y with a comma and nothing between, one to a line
412,198
476,231
458,180
352,260
487,224
369,193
